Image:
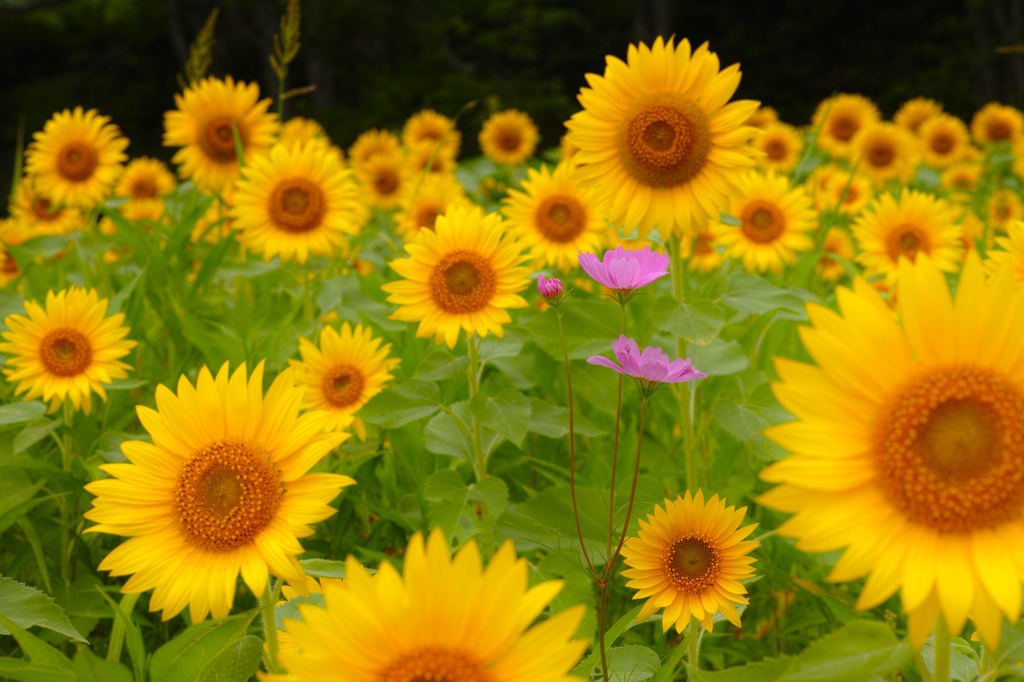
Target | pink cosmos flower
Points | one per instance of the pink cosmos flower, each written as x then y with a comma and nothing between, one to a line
625,269
549,288
650,368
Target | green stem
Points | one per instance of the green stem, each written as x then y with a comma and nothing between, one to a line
615,446
683,389
268,601
473,375
601,617
65,504
943,644
692,647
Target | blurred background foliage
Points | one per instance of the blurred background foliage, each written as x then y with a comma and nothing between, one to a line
375,63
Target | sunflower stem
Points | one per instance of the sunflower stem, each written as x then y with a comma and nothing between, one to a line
943,645
269,619
692,647
65,502
683,389
473,375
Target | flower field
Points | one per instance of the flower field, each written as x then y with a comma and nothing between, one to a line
691,393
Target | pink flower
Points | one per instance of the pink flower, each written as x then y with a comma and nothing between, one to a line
651,367
624,269
549,288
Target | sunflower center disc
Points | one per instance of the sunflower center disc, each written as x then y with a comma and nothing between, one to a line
775,149
881,155
385,182
217,139
762,222
665,140
143,189
843,127
509,140
906,240
560,219
227,493
426,216
951,449
462,282
342,385
435,664
998,130
297,205
43,210
65,352
76,161
702,247
1002,211
942,144
691,564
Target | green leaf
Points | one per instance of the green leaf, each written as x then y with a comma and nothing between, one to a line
856,651
439,364
492,348
446,435
697,323
91,668
401,404
719,358
125,384
16,413
237,663
126,629
753,295
462,510
508,413
323,568
738,420
190,655
34,432
552,421
290,609
26,671
34,648
621,625
632,663
768,670
118,300
27,607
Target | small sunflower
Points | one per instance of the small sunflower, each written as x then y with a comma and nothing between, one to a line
1010,253
763,117
845,192
781,146
819,180
840,119
224,488
76,158
144,178
972,230
427,157
38,216
916,223
996,122
204,125
430,128
916,111
838,243
384,178
343,372
67,350
886,152
443,618
1003,206
962,178
295,201
425,200
555,216
704,257
659,140
11,234
299,130
689,558
508,137
370,144
463,274
774,221
943,140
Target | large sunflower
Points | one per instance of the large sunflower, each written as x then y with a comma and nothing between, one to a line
443,618
658,138
463,274
204,125
943,140
508,137
908,441
916,223
67,350
223,488
781,146
885,152
343,372
36,215
295,201
554,216
996,122
689,558
76,158
774,221
840,119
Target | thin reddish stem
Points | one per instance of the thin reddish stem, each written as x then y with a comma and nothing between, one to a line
632,491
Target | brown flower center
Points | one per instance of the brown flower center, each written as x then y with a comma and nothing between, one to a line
560,218
463,282
998,130
65,352
227,494
297,205
762,221
143,188
217,140
664,141
691,564
385,182
906,240
843,126
43,210
950,449
702,246
435,664
509,140
776,149
880,154
426,215
942,143
342,385
76,161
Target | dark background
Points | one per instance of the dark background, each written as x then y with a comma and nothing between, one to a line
375,62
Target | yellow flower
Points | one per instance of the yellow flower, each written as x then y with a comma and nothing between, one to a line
961,178
781,146
554,216
886,152
845,192
67,350
908,445
145,178
841,118
76,158
428,157
38,216
1010,255
763,117
704,257
384,179
837,243
916,111
223,489
425,199
996,122
10,235
1003,206
508,137
343,373
204,125
463,274
299,130
943,140
429,128
443,618
659,140
774,221
372,143
689,558
916,223
295,201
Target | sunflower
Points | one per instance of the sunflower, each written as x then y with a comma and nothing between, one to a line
343,372
427,157
38,216
151,210
774,220
508,137
384,179
972,230
76,158
372,143
66,350
144,178
554,216
916,111
819,181
444,618
908,445
886,152
916,223
838,243
425,200
223,488
295,201
1003,206
11,234
781,146
431,128
840,119
996,122
689,558
566,149
209,115
1010,253
943,140
658,138
961,178
463,274
845,192
704,257
763,117
301,130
